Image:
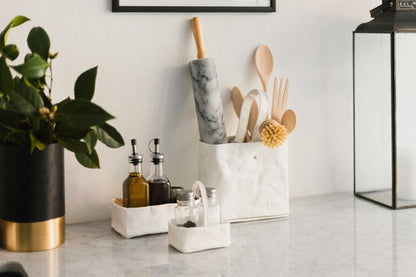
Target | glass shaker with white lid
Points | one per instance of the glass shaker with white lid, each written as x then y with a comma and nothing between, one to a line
186,212
213,213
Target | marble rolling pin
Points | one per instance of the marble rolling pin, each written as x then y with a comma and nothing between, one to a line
206,93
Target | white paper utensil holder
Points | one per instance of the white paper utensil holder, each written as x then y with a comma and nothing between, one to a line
187,240
252,181
134,222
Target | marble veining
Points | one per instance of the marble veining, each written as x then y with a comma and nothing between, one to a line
208,101
335,235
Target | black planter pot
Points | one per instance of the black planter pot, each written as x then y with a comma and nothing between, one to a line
32,198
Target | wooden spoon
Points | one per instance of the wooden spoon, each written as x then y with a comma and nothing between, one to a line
289,120
237,98
263,60
276,98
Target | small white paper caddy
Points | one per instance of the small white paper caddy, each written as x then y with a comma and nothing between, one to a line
135,222
187,240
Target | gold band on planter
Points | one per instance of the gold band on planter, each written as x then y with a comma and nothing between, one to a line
34,236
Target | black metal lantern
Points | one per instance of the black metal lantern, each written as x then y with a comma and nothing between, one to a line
385,105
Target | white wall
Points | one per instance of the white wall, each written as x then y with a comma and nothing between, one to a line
143,80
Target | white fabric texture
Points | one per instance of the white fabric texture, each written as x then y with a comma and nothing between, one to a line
134,222
251,179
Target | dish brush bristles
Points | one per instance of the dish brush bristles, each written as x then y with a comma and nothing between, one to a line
273,135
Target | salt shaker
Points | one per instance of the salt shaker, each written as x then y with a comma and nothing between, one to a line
186,212
213,212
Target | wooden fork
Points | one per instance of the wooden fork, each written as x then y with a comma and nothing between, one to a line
279,101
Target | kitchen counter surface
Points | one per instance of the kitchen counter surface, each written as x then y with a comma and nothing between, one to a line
334,235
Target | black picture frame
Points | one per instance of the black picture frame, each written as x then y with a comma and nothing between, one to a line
117,8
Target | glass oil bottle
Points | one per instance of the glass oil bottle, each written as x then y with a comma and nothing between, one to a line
159,184
135,187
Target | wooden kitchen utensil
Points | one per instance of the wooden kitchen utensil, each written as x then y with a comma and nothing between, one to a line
263,60
206,93
289,120
284,99
237,99
279,101
275,102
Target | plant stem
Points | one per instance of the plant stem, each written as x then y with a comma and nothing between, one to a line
51,80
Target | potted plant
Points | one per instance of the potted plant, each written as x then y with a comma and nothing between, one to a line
33,133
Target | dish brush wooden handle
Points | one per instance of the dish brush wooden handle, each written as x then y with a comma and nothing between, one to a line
196,29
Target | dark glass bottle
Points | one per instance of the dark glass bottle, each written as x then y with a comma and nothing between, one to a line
159,184
135,187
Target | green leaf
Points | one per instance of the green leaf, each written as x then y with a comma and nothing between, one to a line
73,145
25,99
109,135
46,132
28,56
21,104
3,103
33,68
9,137
38,41
11,128
10,51
35,143
91,141
88,160
85,84
35,122
16,80
6,79
81,114
13,120
30,83
62,129
18,20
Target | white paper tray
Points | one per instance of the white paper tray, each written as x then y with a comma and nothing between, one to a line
188,240
134,222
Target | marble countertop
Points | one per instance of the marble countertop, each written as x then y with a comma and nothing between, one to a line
334,235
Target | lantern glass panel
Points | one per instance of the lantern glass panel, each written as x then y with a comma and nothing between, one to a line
373,116
406,118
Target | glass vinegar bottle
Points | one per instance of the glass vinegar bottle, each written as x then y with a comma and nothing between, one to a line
159,184
135,187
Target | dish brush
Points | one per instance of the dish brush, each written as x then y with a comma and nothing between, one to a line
272,133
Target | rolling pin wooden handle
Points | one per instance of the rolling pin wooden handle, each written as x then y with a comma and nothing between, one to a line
196,29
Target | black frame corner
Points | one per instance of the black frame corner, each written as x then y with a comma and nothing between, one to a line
117,8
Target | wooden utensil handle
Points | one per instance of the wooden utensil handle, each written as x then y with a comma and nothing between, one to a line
284,104
196,29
